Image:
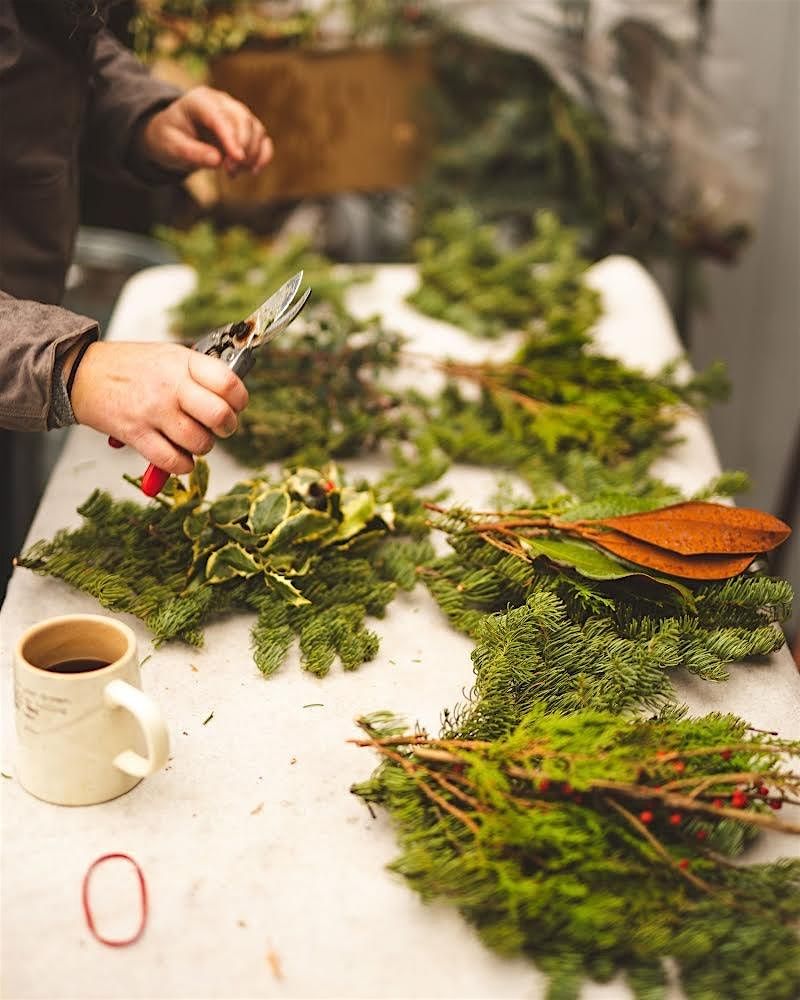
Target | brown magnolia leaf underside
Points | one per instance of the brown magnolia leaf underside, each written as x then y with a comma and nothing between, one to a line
698,528
693,567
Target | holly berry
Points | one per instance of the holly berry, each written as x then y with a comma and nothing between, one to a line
646,816
567,788
775,803
726,754
676,819
717,803
544,784
763,791
679,766
701,834
328,485
683,863
738,799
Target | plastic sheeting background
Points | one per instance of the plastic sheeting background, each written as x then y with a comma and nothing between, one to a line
650,68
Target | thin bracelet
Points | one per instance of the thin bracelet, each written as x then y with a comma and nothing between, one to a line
74,370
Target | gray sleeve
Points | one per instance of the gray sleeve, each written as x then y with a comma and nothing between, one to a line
123,96
33,339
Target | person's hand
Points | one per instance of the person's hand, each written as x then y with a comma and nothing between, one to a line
206,128
166,401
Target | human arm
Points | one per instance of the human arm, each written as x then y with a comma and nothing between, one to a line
165,400
155,133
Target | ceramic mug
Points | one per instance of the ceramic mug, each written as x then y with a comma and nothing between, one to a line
86,731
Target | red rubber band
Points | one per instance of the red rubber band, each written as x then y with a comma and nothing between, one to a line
87,910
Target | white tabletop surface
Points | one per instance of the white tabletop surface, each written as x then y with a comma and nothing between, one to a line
266,877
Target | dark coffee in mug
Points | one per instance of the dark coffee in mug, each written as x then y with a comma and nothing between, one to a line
79,665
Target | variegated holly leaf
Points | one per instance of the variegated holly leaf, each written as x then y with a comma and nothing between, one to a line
302,527
231,561
285,589
268,510
230,508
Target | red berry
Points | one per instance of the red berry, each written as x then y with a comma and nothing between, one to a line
717,803
683,863
675,819
646,816
329,485
661,754
726,754
775,803
679,766
567,788
544,784
739,800
701,834
763,791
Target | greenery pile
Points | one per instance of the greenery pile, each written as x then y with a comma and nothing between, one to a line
595,845
310,555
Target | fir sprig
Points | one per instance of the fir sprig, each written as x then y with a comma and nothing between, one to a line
310,555
596,846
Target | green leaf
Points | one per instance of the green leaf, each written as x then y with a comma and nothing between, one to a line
198,478
592,563
285,589
195,523
267,511
230,561
230,508
306,526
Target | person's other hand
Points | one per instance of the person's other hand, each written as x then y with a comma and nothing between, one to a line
206,128
166,401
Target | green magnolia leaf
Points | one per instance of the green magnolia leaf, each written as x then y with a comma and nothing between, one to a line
230,508
593,563
305,526
230,561
285,589
267,511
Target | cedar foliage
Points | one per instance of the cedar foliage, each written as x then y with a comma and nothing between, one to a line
593,846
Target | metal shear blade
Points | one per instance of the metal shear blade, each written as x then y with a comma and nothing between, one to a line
229,341
269,313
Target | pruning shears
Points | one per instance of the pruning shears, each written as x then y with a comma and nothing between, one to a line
236,344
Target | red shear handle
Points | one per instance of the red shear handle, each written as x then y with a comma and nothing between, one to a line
153,480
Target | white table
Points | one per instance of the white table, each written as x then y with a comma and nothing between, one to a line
266,876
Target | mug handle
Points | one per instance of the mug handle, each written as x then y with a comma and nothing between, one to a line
120,694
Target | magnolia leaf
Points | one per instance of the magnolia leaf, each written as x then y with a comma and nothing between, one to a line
285,589
230,508
267,511
699,567
590,562
697,527
607,506
230,561
306,526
